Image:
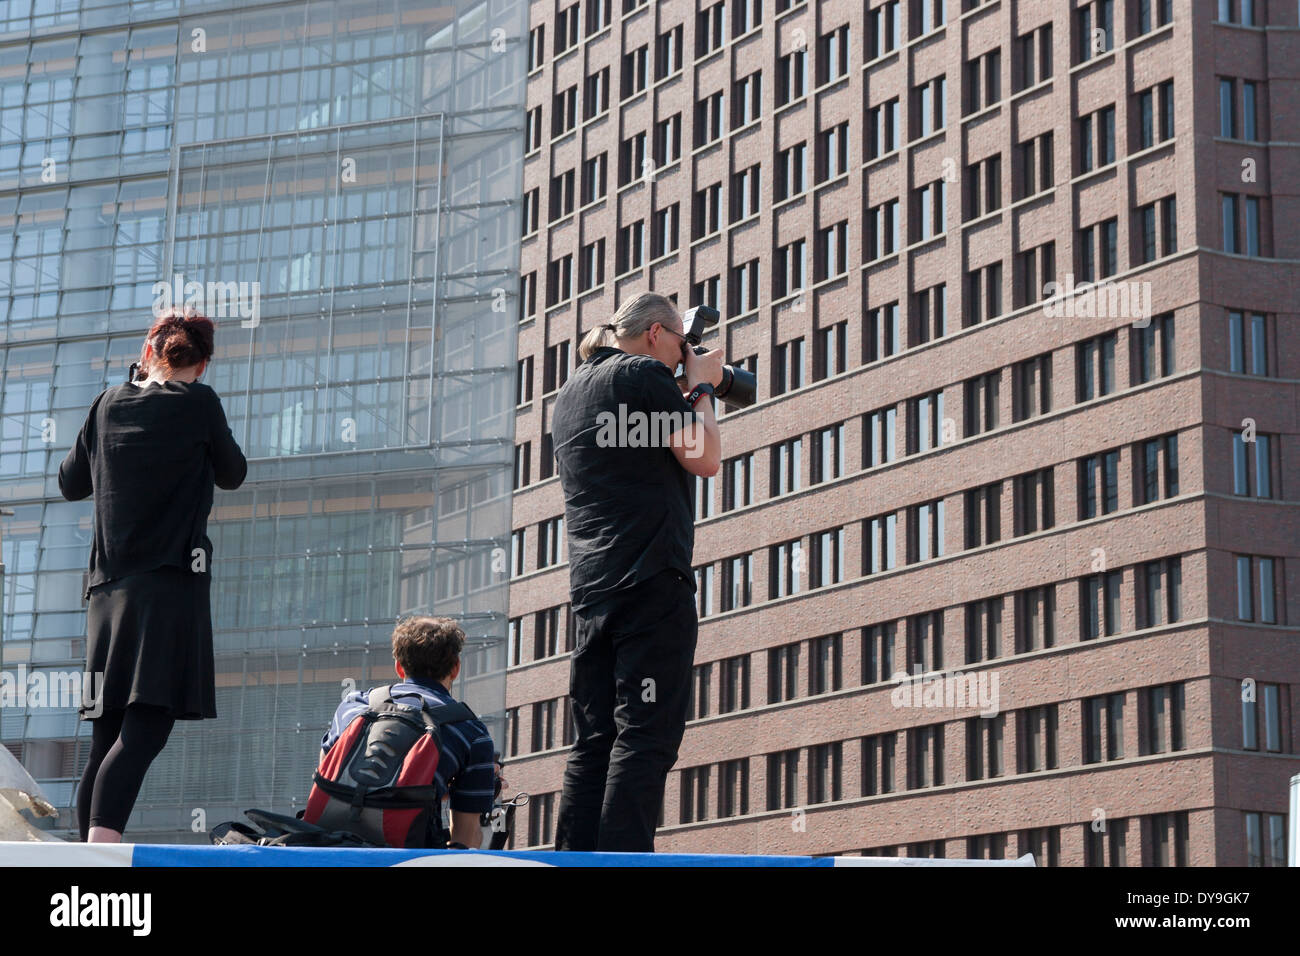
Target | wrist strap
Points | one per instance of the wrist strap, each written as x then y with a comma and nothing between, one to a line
698,392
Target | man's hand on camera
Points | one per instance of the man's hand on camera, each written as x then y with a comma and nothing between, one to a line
698,446
702,368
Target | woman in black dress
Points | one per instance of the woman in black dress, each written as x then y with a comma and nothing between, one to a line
150,452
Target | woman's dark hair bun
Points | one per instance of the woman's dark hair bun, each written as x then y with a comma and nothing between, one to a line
182,338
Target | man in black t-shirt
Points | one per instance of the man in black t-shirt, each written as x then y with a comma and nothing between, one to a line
627,445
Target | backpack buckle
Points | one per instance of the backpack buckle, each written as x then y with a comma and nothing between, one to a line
358,804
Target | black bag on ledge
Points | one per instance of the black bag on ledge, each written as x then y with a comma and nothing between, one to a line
280,830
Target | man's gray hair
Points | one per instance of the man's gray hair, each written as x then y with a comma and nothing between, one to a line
634,317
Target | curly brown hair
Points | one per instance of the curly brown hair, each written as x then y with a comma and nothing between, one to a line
428,648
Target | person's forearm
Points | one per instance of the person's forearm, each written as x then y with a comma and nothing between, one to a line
467,832
712,434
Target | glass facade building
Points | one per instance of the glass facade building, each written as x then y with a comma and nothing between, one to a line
339,183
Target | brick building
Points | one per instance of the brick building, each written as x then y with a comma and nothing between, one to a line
1018,288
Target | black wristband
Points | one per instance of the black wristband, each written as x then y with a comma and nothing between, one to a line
704,388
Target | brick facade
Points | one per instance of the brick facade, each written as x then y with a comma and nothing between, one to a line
1199,793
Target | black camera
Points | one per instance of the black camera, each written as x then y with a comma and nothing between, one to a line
739,388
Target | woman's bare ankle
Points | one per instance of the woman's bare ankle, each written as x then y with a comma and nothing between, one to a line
104,835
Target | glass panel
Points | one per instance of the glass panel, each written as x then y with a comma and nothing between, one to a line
1252,226
1272,717
937,528
1230,224
1240,485
1254,841
352,249
1236,349
1245,611
1267,611
1258,346
1263,470
1277,839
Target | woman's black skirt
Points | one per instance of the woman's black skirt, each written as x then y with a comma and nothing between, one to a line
150,642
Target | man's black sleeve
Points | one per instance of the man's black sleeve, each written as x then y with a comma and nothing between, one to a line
662,394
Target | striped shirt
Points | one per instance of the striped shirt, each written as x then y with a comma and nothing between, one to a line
466,769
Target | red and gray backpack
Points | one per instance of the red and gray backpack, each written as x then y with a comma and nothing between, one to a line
377,781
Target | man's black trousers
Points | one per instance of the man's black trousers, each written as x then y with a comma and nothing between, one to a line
629,683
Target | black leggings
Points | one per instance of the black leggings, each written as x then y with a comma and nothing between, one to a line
123,745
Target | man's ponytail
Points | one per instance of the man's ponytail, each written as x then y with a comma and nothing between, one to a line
634,317
600,337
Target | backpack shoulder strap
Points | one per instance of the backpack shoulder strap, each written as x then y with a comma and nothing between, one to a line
379,696
452,713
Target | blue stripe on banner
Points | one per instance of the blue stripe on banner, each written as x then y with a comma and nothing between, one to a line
276,856
57,853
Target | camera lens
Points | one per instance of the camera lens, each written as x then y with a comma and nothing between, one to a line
728,376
